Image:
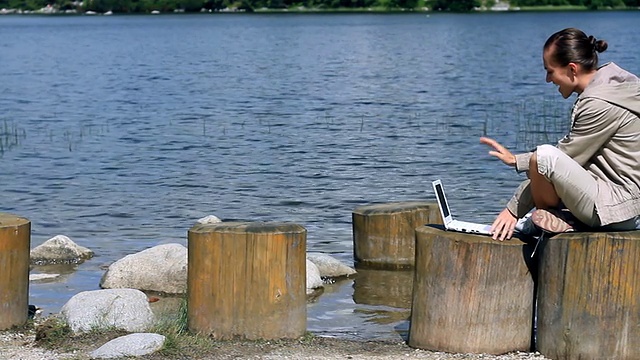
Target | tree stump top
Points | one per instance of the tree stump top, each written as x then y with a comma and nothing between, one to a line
439,230
10,220
395,207
249,227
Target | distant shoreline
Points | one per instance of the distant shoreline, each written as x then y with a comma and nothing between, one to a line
318,11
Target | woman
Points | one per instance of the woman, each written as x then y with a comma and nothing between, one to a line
594,171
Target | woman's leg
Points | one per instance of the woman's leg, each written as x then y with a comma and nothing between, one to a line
556,178
542,191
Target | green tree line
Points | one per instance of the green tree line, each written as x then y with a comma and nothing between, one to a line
145,6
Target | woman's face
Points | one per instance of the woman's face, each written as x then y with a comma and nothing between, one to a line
562,76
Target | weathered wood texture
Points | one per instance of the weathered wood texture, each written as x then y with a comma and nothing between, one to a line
589,296
384,234
15,242
471,294
247,280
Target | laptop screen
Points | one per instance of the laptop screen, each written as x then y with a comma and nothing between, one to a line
442,201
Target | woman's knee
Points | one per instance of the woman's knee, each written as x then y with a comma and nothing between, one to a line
543,160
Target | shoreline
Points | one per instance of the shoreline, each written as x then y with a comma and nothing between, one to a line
531,9
21,344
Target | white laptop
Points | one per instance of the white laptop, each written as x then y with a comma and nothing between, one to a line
449,222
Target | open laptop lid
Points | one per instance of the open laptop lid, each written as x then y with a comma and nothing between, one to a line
442,202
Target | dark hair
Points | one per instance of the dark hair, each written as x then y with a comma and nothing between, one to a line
574,46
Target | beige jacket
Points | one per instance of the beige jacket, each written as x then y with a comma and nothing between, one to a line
605,139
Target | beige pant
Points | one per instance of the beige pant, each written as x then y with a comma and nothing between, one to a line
575,186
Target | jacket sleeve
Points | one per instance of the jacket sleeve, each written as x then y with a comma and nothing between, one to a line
593,125
522,162
522,201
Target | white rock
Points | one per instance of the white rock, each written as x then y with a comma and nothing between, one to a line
41,277
137,344
124,309
59,250
210,219
162,268
330,266
313,278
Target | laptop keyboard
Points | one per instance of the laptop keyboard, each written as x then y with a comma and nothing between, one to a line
469,226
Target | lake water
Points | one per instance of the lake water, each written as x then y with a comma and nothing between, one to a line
120,132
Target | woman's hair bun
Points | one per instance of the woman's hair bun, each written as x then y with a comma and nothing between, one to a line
598,45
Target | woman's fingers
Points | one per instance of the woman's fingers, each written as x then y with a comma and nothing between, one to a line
494,144
502,232
502,228
490,142
499,151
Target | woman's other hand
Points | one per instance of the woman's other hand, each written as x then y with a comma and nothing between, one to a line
502,228
499,151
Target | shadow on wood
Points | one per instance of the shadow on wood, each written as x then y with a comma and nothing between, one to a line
247,280
384,234
471,294
15,243
589,296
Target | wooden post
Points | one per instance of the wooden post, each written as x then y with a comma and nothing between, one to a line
384,234
15,242
247,280
471,294
589,296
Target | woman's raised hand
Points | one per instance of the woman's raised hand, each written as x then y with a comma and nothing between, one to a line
499,151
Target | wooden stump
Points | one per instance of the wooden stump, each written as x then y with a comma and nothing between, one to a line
384,234
471,294
247,280
589,296
15,242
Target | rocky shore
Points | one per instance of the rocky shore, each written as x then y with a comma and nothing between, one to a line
22,345
82,331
